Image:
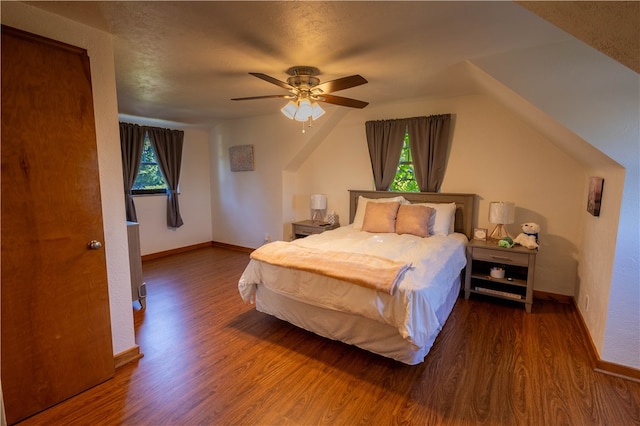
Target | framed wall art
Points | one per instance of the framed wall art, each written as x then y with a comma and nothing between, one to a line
241,158
594,200
480,234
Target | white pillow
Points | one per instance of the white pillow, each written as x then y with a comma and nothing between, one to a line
358,219
443,218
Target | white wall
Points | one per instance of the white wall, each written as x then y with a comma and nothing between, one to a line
194,197
248,205
99,47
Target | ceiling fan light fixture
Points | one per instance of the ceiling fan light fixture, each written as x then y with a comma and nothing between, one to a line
290,109
306,90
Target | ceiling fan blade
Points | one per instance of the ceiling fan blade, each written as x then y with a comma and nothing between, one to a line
341,83
264,97
272,80
339,100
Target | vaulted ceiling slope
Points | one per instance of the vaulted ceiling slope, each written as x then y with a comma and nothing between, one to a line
184,61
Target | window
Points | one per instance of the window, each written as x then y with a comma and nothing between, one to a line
149,179
405,179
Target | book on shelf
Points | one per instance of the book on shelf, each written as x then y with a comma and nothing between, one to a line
499,293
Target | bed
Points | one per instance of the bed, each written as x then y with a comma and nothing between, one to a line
400,320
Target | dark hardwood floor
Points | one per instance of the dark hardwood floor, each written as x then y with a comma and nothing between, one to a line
211,360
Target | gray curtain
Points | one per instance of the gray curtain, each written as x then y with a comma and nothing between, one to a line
385,139
429,144
131,146
167,144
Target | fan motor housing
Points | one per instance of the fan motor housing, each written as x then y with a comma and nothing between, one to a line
300,81
303,77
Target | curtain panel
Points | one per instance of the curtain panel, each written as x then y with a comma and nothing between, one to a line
429,144
167,145
385,139
131,146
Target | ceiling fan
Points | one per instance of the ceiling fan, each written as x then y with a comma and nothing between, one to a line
305,90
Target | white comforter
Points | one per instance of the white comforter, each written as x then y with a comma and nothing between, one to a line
436,261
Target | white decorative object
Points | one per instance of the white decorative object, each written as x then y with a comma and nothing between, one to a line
529,236
497,272
333,218
501,213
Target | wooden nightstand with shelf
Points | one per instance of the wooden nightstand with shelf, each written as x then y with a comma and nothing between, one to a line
309,227
519,264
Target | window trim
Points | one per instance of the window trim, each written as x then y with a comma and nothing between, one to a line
148,191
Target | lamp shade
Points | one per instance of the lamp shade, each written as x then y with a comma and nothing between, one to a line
304,110
318,202
316,111
502,212
289,110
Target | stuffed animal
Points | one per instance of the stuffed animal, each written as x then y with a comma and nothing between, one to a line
529,236
506,242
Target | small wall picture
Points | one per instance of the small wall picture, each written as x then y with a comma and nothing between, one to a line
241,158
595,195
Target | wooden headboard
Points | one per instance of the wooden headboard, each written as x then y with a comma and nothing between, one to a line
464,204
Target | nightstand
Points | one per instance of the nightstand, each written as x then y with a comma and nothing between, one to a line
519,265
308,227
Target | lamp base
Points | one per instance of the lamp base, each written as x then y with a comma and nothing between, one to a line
499,232
317,216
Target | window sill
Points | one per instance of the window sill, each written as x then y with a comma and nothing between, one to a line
151,194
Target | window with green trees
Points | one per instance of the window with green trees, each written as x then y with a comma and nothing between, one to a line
150,179
405,179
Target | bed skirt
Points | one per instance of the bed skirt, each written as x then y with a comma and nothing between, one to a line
356,330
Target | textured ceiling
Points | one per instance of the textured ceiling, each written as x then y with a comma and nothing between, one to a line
612,27
184,61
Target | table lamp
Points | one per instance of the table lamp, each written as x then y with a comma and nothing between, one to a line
501,213
318,207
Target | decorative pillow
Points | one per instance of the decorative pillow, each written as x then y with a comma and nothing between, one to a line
443,219
380,217
414,219
358,219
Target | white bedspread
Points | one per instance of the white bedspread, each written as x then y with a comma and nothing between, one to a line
436,261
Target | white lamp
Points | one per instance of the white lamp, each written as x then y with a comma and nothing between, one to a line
501,213
318,206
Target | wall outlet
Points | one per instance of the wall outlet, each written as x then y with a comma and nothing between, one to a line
267,238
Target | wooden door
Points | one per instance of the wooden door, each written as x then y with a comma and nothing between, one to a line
56,330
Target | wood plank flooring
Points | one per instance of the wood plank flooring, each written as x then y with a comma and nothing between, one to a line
211,360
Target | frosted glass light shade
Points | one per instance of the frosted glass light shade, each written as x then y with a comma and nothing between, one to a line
316,111
318,202
304,110
502,212
289,110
